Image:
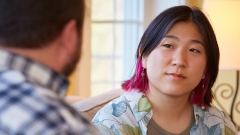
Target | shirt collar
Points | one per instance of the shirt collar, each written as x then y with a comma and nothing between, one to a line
198,112
34,71
143,107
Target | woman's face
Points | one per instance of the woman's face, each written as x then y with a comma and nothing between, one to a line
177,65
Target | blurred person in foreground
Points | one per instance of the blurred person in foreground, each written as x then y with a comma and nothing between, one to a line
170,92
40,45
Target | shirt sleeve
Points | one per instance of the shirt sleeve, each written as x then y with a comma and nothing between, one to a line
116,118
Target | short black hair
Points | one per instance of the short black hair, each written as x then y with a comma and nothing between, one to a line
35,23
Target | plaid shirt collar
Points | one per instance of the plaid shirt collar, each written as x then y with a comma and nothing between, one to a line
34,71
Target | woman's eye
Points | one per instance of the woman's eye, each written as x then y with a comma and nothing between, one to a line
194,50
168,45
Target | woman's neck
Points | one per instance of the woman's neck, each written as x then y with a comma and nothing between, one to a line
169,104
170,110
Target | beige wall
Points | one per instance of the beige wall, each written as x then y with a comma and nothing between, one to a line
197,3
153,7
224,17
80,79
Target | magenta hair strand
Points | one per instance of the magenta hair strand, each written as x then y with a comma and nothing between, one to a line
199,92
138,81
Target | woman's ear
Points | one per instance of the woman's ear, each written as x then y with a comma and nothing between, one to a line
144,62
204,74
144,59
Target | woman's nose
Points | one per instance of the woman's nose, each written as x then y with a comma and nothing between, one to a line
179,59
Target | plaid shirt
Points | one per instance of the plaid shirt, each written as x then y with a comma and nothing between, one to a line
31,100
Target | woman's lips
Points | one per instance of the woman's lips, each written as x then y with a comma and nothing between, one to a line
176,76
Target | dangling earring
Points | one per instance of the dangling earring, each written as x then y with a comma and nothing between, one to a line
143,79
143,73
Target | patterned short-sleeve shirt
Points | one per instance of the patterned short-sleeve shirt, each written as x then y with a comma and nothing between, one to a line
131,112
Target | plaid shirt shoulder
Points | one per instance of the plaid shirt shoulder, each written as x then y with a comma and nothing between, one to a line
31,103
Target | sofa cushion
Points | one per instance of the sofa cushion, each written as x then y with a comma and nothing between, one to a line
89,107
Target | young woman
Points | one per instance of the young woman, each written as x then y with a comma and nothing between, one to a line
170,93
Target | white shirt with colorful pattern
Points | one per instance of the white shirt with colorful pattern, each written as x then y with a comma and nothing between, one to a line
130,114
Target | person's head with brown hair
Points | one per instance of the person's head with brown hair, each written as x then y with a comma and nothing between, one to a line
33,25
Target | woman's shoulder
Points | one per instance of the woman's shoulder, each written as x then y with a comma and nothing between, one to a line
117,116
119,106
212,117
